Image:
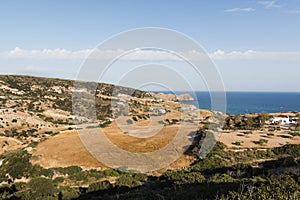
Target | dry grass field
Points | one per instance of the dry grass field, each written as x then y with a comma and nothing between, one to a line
66,148
8,143
274,139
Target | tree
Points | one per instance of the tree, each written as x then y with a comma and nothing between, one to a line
104,185
41,187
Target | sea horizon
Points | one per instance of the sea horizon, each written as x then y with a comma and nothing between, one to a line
246,102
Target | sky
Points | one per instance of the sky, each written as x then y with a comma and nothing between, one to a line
255,45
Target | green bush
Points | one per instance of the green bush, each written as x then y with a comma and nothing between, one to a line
238,143
37,170
288,149
294,133
68,170
262,142
111,172
104,185
68,193
270,134
140,177
41,187
58,180
20,185
16,163
283,187
221,178
182,178
128,181
79,176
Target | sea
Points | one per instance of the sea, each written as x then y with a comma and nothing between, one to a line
251,102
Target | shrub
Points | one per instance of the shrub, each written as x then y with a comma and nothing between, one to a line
288,149
182,177
262,141
104,185
68,170
128,181
111,172
16,163
237,143
140,177
58,180
67,192
79,176
20,185
37,171
41,187
221,178
135,118
294,134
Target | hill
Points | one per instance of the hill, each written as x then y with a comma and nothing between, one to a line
42,155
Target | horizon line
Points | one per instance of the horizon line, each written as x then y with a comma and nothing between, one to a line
200,90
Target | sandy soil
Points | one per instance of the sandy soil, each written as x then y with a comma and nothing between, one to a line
66,149
63,150
8,143
251,140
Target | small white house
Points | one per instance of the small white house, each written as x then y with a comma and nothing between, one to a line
281,120
162,111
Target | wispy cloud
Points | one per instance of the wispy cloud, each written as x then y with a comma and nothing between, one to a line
255,55
270,4
294,11
240,10
45,54
140,54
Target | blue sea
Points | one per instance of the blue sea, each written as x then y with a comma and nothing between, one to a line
252,102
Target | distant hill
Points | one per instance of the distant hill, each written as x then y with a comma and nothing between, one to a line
37,94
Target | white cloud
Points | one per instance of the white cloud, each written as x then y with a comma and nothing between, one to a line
45,54
138,54
270,4
240,10
255,55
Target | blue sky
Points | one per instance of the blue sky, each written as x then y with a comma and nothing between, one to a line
270,29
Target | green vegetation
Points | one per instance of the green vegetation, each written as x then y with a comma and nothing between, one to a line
238,143
262,141
222,174
104,185
244,122
295,133
15,164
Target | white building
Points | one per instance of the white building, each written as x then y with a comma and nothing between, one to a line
162,111
281,120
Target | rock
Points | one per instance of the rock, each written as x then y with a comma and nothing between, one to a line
173,97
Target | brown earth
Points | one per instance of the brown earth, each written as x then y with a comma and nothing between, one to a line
251,140
66,149
8,143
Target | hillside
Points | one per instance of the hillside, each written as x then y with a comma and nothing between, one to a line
33,105
34,109
256,157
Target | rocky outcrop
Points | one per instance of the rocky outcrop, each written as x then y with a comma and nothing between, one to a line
173,97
